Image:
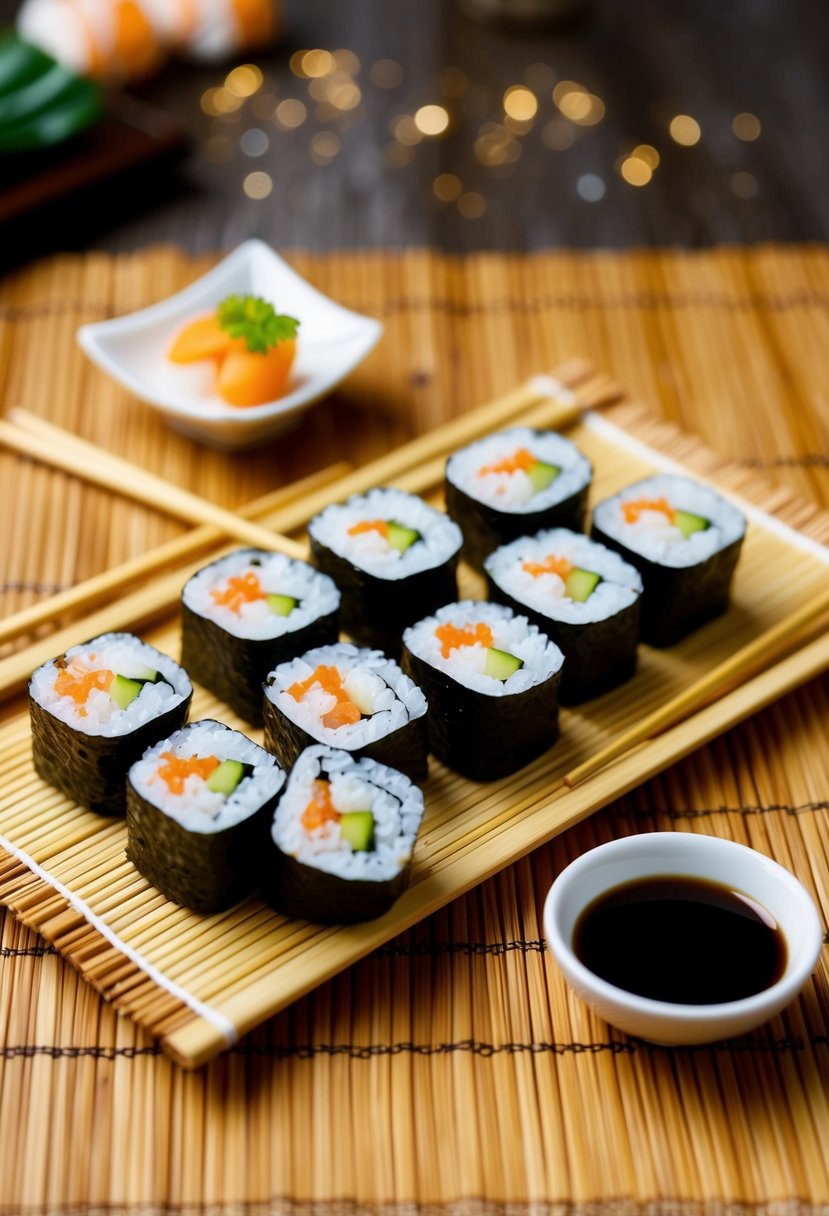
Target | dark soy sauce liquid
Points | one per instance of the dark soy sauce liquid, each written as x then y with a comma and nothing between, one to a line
679,939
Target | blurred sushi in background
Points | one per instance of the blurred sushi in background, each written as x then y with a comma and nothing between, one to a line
512,484
248,612
350,698
684,539
96,708
582,595
394,559
199,809
343,837
491,679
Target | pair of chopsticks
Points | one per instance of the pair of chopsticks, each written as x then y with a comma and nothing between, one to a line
416,466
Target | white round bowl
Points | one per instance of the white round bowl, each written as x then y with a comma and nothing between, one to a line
690,855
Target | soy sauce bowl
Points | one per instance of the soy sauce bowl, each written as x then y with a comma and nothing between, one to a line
688,855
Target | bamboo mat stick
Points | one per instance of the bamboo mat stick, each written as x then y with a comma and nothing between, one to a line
114,581
52,445
760,653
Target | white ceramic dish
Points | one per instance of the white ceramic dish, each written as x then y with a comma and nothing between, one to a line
331,342
683,853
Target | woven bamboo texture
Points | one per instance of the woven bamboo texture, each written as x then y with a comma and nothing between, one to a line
455,1050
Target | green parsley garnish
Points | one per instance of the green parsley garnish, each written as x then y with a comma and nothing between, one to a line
257,321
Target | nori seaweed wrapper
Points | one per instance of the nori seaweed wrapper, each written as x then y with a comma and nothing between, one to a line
206,872
375,611
599,655
234,668
405,749
92,769
480,736
306,892
677,600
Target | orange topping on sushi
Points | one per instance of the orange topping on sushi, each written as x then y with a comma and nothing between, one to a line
240,589
452,636
521,460
320,810
635,506
345,712
78,682
370,525
551,565
176,769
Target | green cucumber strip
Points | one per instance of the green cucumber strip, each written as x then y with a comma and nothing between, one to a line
53,89
580,584
357,829
79,108
281,605
688,523
124,691
500,664
400,537
225,777
20,63
541,474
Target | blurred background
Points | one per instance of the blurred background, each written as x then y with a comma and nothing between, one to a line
504,124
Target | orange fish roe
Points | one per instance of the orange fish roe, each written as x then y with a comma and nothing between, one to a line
240,589
370,525
521,460
551,565
320,810
78,682
176,769
635,506
329,679
451,636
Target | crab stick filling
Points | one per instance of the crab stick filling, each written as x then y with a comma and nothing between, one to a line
344,712
176,769
452,637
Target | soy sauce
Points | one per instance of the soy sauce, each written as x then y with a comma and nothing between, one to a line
679,939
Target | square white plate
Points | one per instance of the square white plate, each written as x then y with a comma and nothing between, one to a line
133,349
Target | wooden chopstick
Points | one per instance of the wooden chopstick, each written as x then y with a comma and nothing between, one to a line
53,445
110,582
762,652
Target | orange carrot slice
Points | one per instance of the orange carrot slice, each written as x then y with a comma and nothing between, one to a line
202,338
370,525
246,378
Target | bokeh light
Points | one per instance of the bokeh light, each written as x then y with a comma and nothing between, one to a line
472,205
636,172
590,187
254,142
648,154
431,120
290,113
558,135
257,185
244,81
447,187
685,130
520,103
746,126
324,146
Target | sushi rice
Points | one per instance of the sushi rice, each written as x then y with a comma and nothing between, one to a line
363,785
651,533
472,470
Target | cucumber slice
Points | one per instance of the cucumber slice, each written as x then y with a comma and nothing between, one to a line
78,110
281,605
541,474
124,691
225,777
688,523
357,829
20,63
400,537
53,88
580,584
41,102
500,664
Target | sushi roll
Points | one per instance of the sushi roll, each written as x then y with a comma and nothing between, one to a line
350,698
512,484
343,836
684,539
582,595
491,679
247,612
392,557
96,708
199,808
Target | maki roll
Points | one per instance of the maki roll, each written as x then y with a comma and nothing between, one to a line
392,557
247,612
512,484
684,539
199,807
582,595
343,837
492,683
350,698
96,708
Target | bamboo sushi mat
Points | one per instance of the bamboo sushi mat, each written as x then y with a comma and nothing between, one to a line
450,1071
